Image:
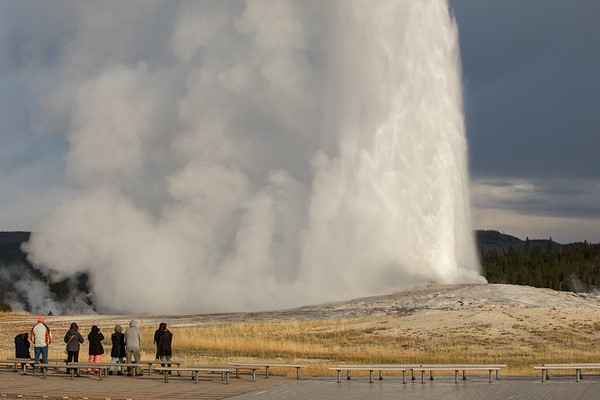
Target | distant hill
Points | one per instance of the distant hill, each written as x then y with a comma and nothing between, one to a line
494,240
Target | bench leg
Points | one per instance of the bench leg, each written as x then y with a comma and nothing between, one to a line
297,372
380,375
237,372
430,375
543,375
404,377
253,375
422,376
455,376
196,375
371,376
490,377
166,376
497,374
464,375
339,373
412,374
348,375
267,371
577,375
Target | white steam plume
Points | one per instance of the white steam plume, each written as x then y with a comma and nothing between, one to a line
260,154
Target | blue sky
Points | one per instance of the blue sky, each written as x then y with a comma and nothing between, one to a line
532,105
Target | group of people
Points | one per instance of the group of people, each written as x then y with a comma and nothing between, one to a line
125,345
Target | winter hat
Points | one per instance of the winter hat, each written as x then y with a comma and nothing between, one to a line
74,326
41,319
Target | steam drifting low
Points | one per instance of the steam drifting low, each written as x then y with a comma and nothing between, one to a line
233,155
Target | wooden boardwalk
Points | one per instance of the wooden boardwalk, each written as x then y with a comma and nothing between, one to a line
14,385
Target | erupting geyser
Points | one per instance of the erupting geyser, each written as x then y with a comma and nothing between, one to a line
261,154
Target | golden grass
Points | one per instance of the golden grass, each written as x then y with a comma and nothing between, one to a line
379,340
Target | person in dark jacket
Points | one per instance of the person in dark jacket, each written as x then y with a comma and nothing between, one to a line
164,344
157,334
22,347
95,338
73,339
117,352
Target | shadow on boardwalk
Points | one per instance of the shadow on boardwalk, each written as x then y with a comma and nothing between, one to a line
59,386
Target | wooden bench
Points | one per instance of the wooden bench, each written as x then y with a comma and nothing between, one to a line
456,368
150,363
255,366
21,363
134,366
72,367
195,370
75,367
371,368
418,367
15,365
565,367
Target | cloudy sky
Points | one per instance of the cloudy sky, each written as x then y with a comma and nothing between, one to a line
532,98
532,104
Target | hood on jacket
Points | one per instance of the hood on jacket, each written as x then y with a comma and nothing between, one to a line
132,323
95,329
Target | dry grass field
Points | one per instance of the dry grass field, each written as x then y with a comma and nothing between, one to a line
513,325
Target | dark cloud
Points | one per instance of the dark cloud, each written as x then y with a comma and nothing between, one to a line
532,91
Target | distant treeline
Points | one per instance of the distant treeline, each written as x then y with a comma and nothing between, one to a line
540,263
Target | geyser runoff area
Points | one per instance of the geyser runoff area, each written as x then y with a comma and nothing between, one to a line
244,155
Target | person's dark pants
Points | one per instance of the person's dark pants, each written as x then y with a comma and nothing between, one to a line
72,356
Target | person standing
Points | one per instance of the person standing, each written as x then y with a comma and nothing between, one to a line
164,344
41,337
157,334
22,347
133,343
117,352
95,338
73,339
